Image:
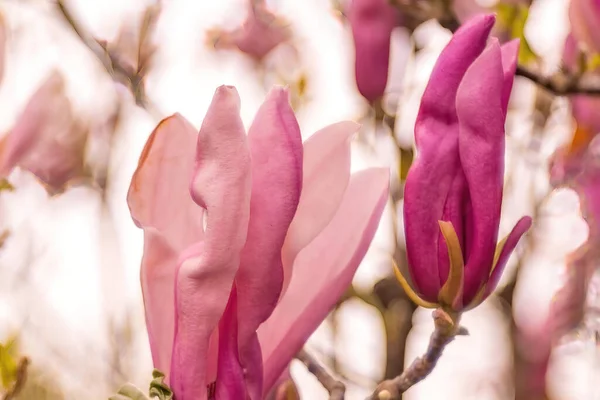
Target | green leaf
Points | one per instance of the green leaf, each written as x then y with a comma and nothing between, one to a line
158,388
129,392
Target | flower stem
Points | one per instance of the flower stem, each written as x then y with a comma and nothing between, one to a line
446,329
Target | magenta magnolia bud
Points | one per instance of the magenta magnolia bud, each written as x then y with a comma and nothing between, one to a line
453,192
372,22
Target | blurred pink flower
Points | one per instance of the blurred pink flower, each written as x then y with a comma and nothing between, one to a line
569,161
228,306
260,33
584,16
372,22
46,140
455,184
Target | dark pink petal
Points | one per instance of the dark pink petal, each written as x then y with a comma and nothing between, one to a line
323,270
372,22
512,240
221,184
325,175
160,203
430,178
510,54
230,376
276,150
481,144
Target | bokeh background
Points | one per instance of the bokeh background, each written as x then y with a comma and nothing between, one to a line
70,298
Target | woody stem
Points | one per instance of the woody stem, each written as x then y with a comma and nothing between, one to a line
446,329
335,388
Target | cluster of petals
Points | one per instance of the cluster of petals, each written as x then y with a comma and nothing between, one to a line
249,240
453,193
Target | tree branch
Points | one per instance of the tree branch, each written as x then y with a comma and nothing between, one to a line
336,389
446,329
113,66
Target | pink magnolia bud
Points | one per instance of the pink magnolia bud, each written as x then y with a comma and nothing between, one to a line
372,22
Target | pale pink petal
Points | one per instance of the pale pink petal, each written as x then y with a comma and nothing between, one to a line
276,151
46,140
159,194
481,146
160,203
230,377
221,184
323,270
325,177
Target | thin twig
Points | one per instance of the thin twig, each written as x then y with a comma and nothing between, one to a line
446,329
113,66
20,379
336,389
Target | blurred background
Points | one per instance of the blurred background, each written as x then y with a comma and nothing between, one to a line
96,77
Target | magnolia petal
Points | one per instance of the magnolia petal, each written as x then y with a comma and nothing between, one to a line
325,176
46,140
157,276
158,196
479,297
276,153
437,163
510,55
230,376
412,295
481,144
323,271
160,203
372,22
521,227
451,293
221,184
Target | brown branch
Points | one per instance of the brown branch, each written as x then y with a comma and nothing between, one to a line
446,329
336,389
20,379
561,83
113,66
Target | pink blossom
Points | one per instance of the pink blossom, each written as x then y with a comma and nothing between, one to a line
46,139
372,22
455,184
259,34
228,306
